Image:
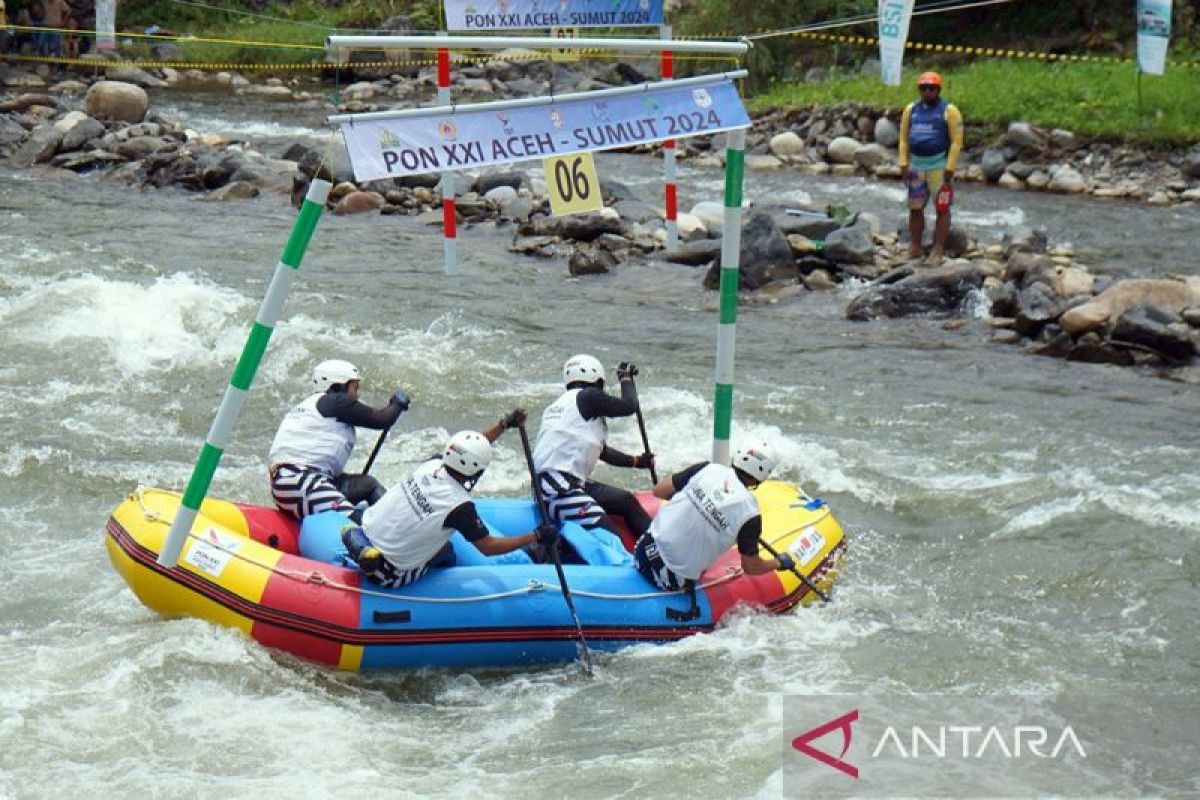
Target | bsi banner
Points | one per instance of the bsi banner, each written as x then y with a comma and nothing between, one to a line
502,15
1153,35
438,141
894,17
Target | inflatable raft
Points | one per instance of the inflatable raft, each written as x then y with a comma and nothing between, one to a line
294,589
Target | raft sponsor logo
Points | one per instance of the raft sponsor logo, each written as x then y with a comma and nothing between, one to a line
212,551
979,747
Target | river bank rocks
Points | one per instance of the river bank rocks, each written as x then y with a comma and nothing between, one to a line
854,139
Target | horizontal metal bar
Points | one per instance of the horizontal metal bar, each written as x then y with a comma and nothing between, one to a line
544,100
532,43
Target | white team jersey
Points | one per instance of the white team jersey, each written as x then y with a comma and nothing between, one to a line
408,524
567,442
702,520
307,439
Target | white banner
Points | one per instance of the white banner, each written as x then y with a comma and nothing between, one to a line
501,15
1153,35
894,16
106,23
466,139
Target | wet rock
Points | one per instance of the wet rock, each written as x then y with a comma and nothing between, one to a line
763,247
1067,180
1010,181
82,162
1023,170
139,147
42,144
1169,295
488,181
1191,316
636,211
801,245
587,227
1025,240
1004,300
711,214
615,190
533,245
1159,330
993,164
238,190
1092,349
1037,306
471,205
841,150
1191,163
268,174
115,100
870,156
695,254
810,227
1054,343
425,180
937,289
135,76
79,132
27,100
787,144
591,262
1025,136
886,132
818,281
357,202
851,245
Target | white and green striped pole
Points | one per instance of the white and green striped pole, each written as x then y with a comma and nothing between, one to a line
731,250
243,374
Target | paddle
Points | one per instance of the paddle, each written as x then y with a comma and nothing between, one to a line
803,578
544,516
375,452
642,427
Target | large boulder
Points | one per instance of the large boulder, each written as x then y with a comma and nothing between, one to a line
1037,306
993,164
359,202
764,248
1022,135
806,225
134,75
787,144
1169,295
939,289
841,150
591,262
116,100
711,214
887,133
588,227
1159,330
851,245
1067,180
695,254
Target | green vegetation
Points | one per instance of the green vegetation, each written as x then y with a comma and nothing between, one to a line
1094,100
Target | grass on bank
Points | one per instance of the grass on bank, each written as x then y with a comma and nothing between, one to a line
1098,101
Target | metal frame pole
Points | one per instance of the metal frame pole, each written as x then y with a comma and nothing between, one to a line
221,431
731,247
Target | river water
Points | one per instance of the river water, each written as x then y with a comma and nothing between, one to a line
1018,524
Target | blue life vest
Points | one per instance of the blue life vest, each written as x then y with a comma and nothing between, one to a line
928,133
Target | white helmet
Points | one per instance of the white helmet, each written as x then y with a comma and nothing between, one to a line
334,371
468,453
756,460
582,368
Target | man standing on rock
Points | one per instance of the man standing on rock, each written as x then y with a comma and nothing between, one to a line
931,138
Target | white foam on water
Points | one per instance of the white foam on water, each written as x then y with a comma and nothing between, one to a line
1040,515
175,320
1010,217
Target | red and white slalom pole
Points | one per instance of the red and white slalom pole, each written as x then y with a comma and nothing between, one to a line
670,201
449,212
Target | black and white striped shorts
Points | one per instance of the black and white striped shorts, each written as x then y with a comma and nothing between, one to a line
567,501
302,491
652,567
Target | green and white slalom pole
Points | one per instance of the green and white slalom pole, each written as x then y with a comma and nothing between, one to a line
243,374
731,251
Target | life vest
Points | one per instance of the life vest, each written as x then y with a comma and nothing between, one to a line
408,524
702,520
307,439
567,442
928,133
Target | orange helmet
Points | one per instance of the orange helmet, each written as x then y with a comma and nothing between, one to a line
929,79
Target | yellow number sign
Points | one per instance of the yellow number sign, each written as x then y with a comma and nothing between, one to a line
564,53
573,184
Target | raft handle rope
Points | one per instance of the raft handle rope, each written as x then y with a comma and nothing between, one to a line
322,579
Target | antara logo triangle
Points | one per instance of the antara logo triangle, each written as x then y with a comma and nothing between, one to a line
842,723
